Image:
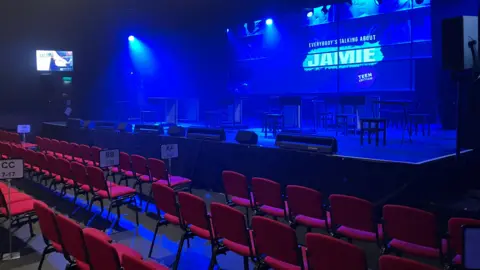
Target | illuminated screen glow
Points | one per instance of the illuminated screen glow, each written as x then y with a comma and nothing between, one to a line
49,60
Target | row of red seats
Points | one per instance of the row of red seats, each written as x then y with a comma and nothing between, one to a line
402,229
16,206
268,242
85,248
9,137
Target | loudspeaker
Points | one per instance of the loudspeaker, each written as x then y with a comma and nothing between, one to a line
176,131
105,125
149,129
75,123
214,134
246,137
124,127
310,143
458,35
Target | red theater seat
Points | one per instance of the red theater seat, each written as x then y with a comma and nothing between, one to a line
454,246
305,208
134,263
236,190
388,262
268,197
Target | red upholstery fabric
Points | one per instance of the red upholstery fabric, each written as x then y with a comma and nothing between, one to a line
359,234
175,181
305,202
79,173
144,178
18,208
95,150
124,162
158,169
410,225
312,222
55,146
125,250
98,234
414,249
4,189
15,197
325,252
275,240
48,223
241,201
194,213
84,152
273,211
133,263
455,232
103,255
236,185
268,194
72,238
139,165
165,200
116,191
388,262
230,224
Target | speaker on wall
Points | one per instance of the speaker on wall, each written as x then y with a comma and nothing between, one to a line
310,143
459,39
124,127
246,137
176,131
214,134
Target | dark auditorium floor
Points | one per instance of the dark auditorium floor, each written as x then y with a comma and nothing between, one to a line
196,257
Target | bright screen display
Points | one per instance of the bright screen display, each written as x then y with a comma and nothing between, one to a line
366,46
48,60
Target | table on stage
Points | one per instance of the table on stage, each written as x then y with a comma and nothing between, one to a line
404,104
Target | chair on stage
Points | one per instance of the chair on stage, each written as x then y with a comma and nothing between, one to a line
231,233
322,117
346,119
326,252
236,189
353,218
268,198
306,208
411,231
166,201
388,262
276,245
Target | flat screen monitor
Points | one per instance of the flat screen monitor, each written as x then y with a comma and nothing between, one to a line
471,247
49,60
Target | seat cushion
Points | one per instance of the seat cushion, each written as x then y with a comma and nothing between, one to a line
200,232
240,201
18,208
82,265
311,222
272,211
130,174
122,249
277,264
145,178
360,234
59,155
98,234
17,197
4,189
77,159
239,248
116,191
172,219
414,249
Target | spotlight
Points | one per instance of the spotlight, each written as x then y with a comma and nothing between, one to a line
324,10
309,14
131,38
419,2
269,22
228,30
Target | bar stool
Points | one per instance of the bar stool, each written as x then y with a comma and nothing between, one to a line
273,122
379,125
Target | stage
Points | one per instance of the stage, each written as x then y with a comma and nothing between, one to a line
394,172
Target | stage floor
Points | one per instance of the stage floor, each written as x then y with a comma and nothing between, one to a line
421,149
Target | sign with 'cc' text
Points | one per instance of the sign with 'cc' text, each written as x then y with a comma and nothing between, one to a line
11,168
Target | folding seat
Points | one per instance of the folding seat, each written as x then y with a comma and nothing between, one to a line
411,231
124,168
95,152
453,247
140,173
353,218
165,200
76,152
66,150
276,245
268,198
388,262
5,150
80,181
231,233
48,147
306,208
134,263
236,190
326,252
85,153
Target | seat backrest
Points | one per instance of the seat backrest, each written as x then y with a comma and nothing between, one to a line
193,210
75,150
267,192
72,238
96,178
124,161
157,169
55,145
410,225
102,254
235,184
96,153
5,149
165,199
79,173
47,143
48,222
229,223
15,138
139,164
38,142
389,262
65,148
63,168
41,160
132,263
455,232
275,239
16,151
51,163
352,212
84,152
325,252
304,201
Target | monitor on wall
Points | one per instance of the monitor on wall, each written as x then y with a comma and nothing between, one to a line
50,60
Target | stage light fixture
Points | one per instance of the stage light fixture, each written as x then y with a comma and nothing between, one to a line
324,10
378,2
269,22
228,30
419,2
349,2
310,14
131,38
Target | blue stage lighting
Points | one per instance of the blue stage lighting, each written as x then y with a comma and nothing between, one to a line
269,22
228,30
309,14
131,38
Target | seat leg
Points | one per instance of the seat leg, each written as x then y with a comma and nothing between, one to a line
109,211
246,213
136,211
245,263
30,227
153,240
179,252
46,250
